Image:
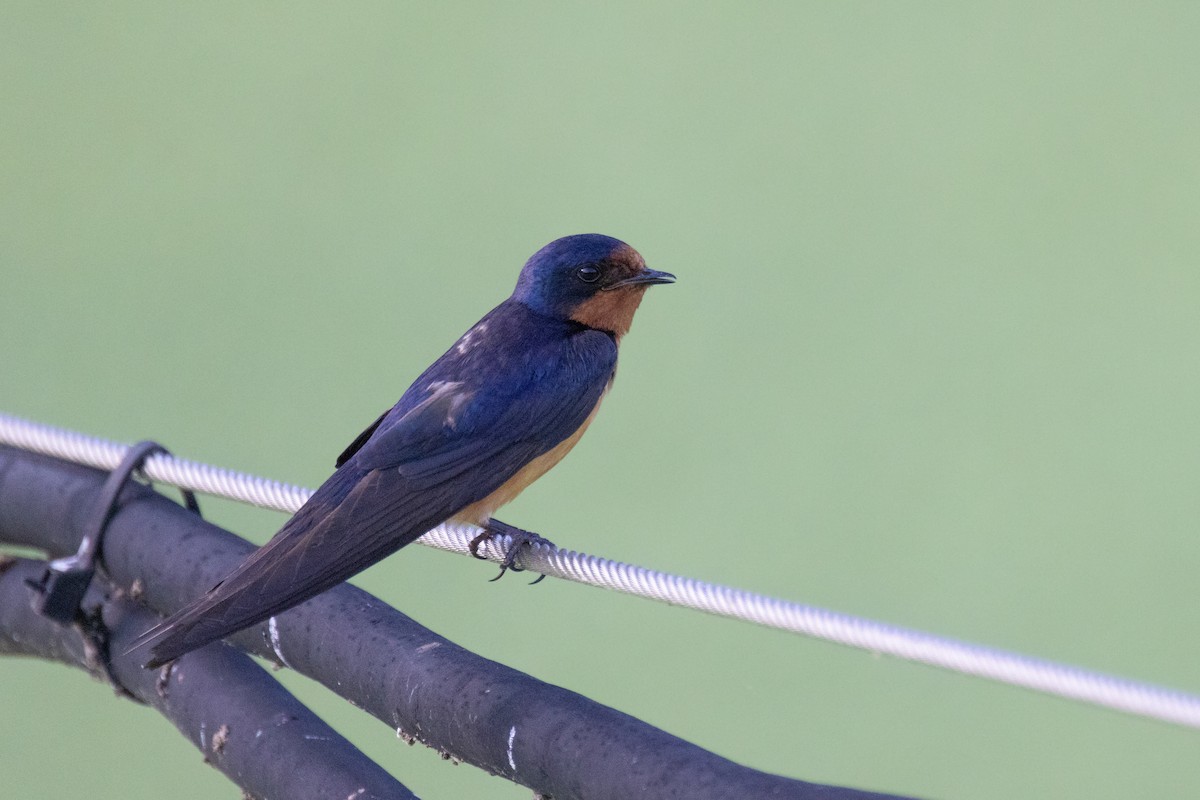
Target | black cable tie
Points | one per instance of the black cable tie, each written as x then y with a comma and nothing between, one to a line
62,586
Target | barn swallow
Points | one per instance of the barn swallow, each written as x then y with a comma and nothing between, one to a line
502,406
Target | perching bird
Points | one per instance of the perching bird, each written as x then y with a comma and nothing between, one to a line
493,414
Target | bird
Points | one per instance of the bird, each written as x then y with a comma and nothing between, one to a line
500,408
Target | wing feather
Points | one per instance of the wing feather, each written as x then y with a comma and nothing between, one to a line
462,430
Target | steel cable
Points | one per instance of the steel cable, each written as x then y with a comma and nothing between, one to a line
1062,680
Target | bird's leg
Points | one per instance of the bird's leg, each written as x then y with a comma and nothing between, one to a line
519,538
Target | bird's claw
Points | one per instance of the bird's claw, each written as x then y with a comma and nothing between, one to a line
518,539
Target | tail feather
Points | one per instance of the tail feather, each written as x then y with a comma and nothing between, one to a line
245,598
355,519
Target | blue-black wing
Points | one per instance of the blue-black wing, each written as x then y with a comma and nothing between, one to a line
512,388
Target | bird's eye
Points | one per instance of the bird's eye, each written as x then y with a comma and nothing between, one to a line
588,274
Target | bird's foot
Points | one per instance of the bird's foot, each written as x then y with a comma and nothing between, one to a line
518,538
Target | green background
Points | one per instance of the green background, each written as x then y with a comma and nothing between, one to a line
932,356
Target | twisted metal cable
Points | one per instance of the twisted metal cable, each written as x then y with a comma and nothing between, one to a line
1062,680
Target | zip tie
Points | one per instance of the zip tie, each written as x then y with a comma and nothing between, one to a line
1062,680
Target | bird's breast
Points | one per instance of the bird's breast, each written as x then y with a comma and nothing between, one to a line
481,511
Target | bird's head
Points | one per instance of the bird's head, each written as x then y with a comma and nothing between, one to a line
592,279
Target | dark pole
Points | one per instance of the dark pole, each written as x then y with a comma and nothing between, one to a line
556,742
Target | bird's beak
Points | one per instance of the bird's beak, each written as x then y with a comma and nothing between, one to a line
646,277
